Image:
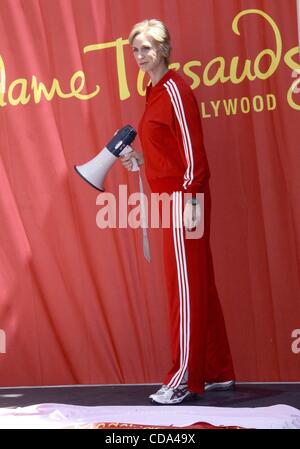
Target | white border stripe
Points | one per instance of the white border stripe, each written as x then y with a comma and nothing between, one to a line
175,102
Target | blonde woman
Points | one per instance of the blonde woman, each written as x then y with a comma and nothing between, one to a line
175,163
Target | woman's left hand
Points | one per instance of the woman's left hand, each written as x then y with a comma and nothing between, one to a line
191,215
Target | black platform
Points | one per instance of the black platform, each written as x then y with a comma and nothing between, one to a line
244,395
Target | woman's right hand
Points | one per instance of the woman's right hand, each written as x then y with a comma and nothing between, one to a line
126,160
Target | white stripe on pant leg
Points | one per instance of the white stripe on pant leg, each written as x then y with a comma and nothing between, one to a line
180,286
186,285
179,228
182,264
183,284
187,290
179,275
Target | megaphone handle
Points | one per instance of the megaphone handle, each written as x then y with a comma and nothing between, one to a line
135,165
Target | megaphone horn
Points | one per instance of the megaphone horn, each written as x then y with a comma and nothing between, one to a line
95,170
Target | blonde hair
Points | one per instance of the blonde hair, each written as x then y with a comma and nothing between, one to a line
158,31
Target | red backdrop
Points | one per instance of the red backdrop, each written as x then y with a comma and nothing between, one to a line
80,304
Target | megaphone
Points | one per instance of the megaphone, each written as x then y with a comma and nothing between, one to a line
95,171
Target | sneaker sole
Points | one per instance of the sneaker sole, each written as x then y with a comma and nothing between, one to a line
220,386
186,398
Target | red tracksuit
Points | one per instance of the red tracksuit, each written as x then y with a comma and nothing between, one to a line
175,162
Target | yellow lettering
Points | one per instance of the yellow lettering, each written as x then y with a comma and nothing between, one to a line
203,111
258,103
122,79
216,71
275,58
271,102
219,76
76,92
245,105
230,106
21,97
246,71
39,88
174,66
2,82
216,105
272,68
293,89
191,74
288,58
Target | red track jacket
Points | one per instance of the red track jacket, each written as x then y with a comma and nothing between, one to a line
171,136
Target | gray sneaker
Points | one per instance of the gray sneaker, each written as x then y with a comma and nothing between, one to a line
220,386
161,390
170,396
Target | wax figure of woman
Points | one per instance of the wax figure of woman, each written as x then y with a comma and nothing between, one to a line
175,163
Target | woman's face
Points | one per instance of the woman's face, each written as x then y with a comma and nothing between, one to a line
146,52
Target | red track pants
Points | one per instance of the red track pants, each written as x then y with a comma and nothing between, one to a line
198,336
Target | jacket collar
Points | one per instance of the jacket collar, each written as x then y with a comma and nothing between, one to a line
160,83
